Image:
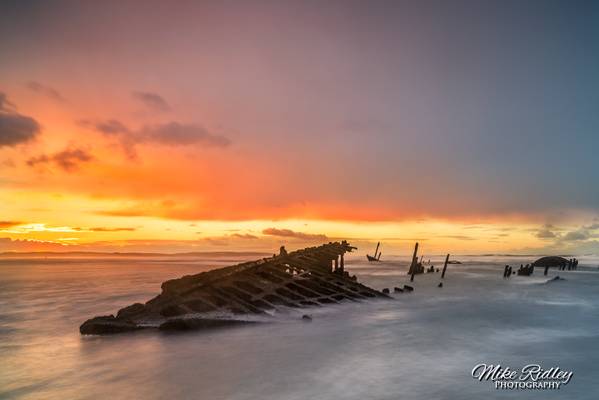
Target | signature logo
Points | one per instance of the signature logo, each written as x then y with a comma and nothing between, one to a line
531,376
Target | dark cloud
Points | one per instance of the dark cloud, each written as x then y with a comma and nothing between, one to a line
546,232
45,90
103,229
5,105
288,233
176,134
15,128
153,101
9,224
67,160
168,134
243,236
459,237
579,234
106,127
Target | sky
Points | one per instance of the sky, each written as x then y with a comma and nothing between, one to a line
470,126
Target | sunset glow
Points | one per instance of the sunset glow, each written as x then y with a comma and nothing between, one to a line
298,126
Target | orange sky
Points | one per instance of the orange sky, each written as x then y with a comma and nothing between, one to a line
208,127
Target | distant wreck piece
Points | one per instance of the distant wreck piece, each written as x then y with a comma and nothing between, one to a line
445,266
550,261
375,258
310,277
526,271
415,267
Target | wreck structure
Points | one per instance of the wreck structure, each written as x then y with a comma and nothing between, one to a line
309,277
375,257
415,266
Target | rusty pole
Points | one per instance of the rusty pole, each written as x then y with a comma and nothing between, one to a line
445,266
414,260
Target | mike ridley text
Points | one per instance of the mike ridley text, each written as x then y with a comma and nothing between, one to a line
531,376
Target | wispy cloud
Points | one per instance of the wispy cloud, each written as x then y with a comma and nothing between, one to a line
45,91
288,233
577,235
546,232
68,160
106,127
5,104
153,101
118,229
9,224
125,212
168,134
459,237
41,227
8,244
244,236
177,134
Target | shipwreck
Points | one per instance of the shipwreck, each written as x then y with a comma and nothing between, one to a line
310,277
375,257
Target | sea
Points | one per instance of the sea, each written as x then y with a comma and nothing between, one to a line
421,345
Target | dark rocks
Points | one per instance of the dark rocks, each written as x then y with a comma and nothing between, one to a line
306,318
397,290
106,325
187,324
131,311
440,284
408,288
385,290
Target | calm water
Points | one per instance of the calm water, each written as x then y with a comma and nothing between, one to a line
421,346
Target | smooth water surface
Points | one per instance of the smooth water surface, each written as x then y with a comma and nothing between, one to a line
422,345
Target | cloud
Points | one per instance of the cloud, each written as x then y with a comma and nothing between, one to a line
5,105
153,101
244,236
168,134
68,160
288,233
579,234
126,212
9,224
546,232
106,127
15,128
176,134
120,229
459,237
8,244
45,90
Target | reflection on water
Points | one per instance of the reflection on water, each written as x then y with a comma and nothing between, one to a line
421,346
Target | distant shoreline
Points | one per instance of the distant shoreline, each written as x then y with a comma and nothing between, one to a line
12,254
